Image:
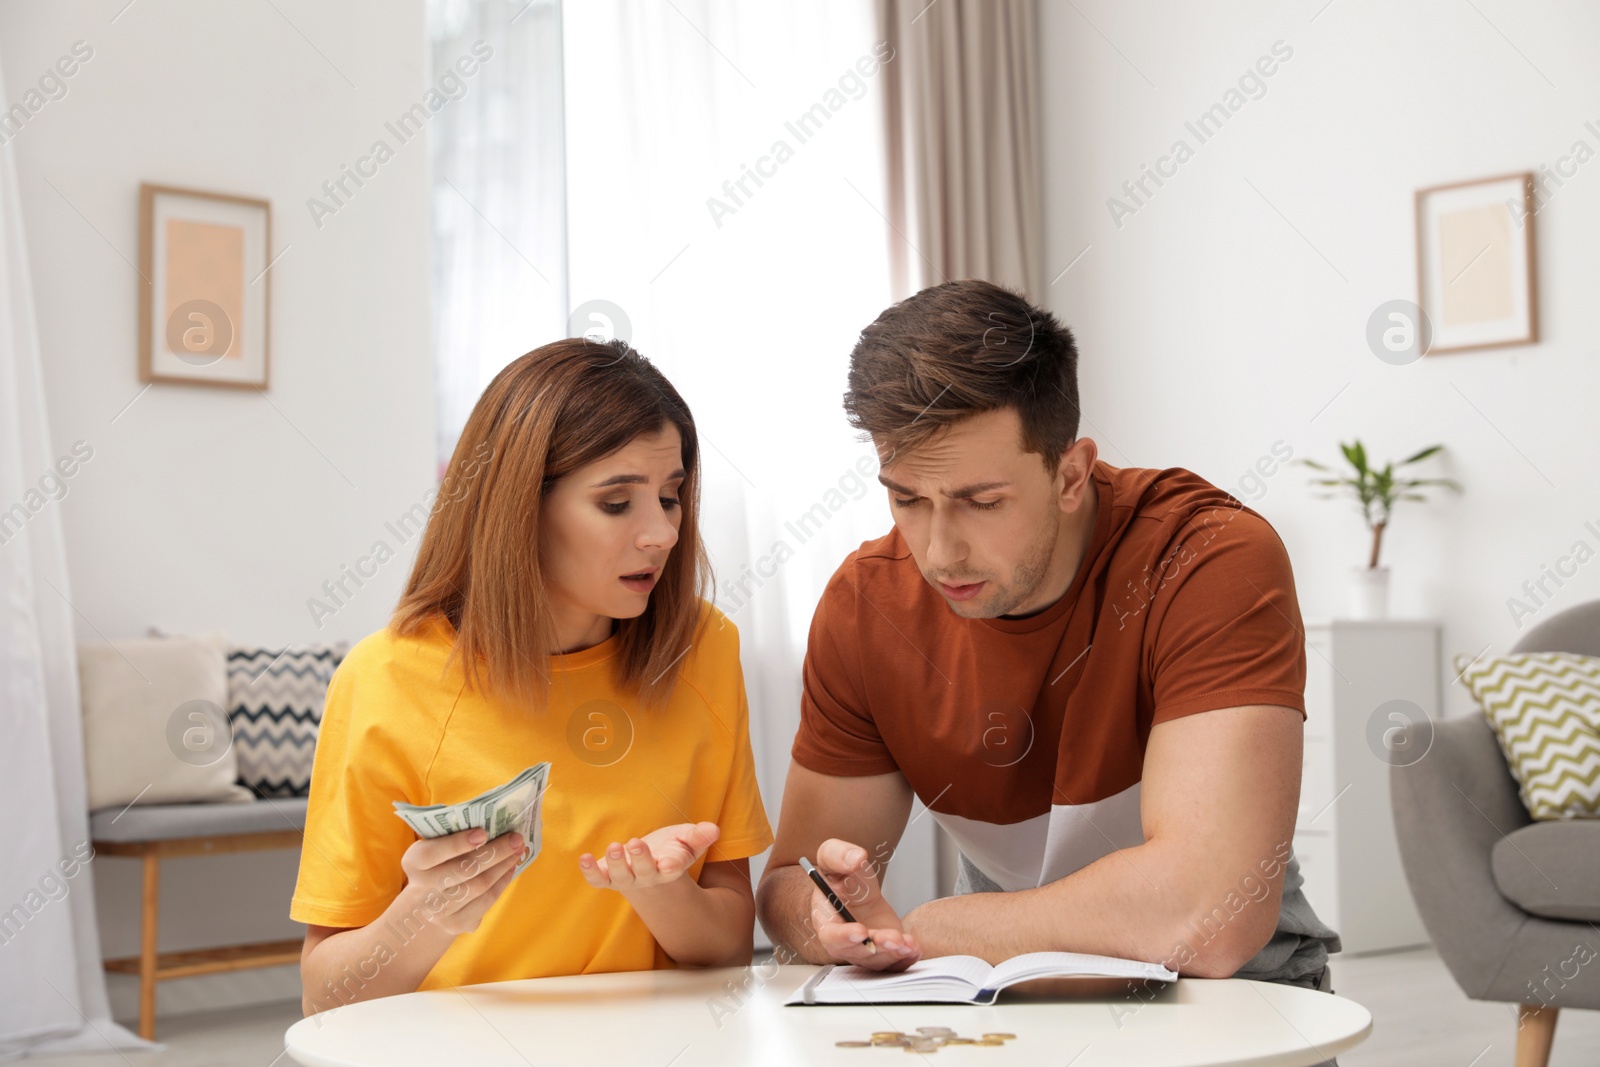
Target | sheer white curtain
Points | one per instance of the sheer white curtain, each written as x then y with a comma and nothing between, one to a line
52,988
725,187
498,223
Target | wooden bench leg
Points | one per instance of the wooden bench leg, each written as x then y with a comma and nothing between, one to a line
147,946
1536,1030
151,966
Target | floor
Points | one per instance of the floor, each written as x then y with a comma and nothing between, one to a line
1419,1018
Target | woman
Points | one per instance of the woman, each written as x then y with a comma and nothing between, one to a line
554,613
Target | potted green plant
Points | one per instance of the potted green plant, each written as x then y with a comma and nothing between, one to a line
1377,491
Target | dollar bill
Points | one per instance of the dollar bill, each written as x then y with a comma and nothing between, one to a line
512,806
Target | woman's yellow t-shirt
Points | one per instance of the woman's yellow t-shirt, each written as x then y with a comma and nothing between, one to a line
397,727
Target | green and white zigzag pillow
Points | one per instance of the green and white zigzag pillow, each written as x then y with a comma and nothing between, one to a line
1545,711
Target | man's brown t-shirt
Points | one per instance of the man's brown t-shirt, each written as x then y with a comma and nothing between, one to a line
1025,736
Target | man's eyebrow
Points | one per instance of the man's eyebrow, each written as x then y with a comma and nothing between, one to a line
966,492
634,479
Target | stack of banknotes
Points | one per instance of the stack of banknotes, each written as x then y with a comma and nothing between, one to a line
512,806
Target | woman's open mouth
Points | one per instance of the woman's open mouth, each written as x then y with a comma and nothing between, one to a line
642,582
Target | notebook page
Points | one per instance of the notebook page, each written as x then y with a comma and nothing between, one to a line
964,974
1051,964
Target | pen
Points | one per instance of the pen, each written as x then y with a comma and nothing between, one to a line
833,898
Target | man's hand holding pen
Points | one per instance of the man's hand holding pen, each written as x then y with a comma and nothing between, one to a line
873,936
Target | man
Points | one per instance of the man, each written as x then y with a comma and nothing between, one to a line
1092,677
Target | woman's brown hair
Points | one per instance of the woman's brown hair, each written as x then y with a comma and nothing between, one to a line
549,412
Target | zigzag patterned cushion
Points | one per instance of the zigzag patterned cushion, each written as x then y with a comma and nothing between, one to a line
1545,710
275,699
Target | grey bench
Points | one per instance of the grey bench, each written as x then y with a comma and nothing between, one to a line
155,832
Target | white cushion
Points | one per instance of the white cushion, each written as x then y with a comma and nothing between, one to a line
154,724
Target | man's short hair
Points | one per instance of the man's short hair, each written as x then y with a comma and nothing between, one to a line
957,350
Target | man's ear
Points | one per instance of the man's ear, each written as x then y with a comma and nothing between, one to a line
1076,472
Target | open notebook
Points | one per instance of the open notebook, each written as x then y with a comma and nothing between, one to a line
963,979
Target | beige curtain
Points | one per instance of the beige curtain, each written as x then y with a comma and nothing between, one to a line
962,103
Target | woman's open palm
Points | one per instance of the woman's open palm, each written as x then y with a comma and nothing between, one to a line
661,856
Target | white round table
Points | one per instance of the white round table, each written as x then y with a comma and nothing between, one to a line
736,1017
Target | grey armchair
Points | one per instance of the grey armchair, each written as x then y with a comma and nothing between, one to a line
1513,906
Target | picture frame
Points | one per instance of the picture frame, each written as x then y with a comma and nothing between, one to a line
204,314
1477,276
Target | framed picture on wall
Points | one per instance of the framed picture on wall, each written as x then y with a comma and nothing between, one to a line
1475,263
203,315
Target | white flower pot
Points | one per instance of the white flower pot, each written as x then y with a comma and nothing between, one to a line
1369,592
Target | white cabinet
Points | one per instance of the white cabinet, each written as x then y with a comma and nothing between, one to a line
1344,836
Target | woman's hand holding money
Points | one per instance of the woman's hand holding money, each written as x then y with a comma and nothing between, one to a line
456,879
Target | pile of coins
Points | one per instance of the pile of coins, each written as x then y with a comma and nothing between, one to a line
926,1039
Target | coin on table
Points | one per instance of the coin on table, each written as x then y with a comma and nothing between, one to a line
853,1044
1003,1037
935,1031
886,1033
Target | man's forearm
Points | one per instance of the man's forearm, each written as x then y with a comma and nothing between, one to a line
1137,903
783,904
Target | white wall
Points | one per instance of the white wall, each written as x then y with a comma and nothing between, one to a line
209,508
1230,309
